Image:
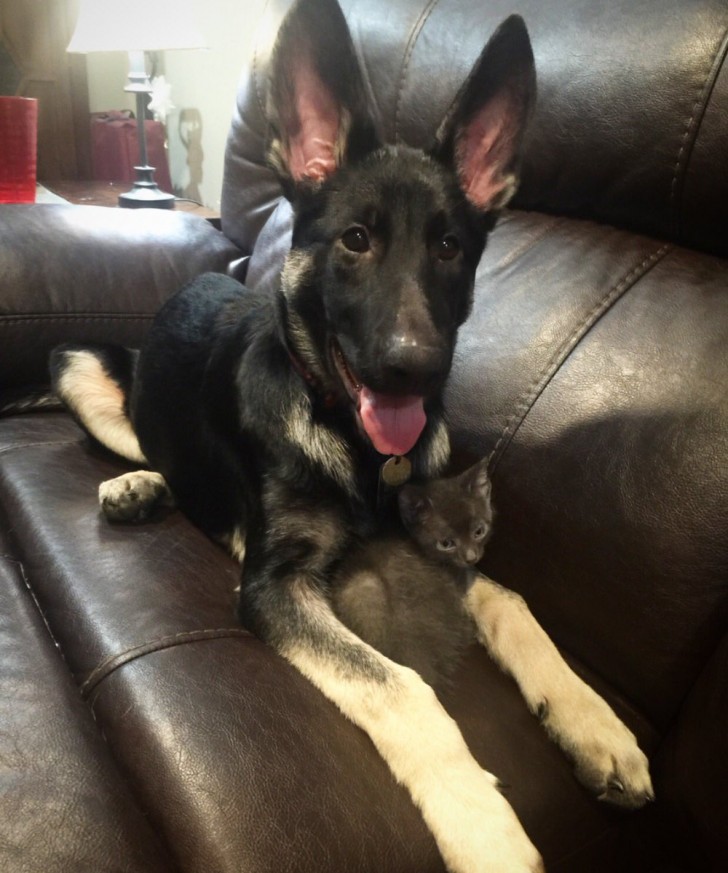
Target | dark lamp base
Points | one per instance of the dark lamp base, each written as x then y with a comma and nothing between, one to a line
145,194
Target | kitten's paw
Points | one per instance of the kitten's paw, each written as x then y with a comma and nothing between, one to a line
607,759
133,496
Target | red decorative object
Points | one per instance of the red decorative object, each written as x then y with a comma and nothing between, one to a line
115,148
18,149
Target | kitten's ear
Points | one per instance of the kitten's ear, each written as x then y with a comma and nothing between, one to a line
482,133
475,479
414,505
317,107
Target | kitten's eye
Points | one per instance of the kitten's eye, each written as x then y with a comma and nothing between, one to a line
448,247
356,239
479,532
447,545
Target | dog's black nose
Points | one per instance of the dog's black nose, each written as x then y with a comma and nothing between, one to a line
410,366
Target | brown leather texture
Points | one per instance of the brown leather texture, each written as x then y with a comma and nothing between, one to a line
236,760
142,729
54,286
603,400
64,805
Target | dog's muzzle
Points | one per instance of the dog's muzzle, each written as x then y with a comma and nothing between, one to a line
391,410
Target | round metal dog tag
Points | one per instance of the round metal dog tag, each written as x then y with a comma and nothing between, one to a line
396,471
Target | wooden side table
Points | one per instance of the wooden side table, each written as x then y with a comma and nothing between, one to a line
95,193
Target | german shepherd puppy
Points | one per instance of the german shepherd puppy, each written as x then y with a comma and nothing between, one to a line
267,418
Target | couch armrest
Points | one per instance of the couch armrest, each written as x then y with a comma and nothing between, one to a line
92,274
694,765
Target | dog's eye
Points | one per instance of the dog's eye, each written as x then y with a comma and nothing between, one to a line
446,545
356,239
448,247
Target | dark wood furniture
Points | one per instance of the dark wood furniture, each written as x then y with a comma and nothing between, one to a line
101,193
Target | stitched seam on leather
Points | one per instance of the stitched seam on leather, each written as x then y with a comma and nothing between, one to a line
537,387
692,130
14,448
24,576
72,316
114,662
414,36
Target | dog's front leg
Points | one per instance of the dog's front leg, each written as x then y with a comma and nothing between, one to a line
283,601
607,757
475,828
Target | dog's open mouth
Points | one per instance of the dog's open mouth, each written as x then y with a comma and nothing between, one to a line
392,423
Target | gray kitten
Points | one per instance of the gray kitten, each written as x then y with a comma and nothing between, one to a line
402,593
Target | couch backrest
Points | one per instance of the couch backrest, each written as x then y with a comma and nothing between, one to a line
630,126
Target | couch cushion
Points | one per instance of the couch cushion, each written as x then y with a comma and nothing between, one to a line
64,805
92,274
239,762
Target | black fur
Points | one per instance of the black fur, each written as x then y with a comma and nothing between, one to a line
242,401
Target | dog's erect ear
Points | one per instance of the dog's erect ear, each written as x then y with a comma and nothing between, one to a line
317,105
482,132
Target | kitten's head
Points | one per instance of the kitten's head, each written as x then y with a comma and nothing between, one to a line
450,519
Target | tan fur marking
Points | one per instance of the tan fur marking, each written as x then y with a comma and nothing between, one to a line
297,270
438,451
574,715
97,400
320,445
236,545
475,828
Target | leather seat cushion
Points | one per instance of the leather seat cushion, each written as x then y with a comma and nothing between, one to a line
240,763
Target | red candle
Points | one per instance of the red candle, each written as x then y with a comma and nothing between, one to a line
18,149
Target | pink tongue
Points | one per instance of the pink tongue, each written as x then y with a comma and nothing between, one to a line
393,424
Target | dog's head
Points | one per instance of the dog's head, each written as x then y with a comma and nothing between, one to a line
386,239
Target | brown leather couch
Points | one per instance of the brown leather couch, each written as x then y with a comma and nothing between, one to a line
142,730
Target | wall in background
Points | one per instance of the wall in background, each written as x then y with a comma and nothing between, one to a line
204,84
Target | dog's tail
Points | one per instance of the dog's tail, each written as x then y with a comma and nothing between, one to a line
94,383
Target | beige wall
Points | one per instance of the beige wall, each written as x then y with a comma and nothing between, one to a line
204,85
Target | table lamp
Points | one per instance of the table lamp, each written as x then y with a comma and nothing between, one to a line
137,26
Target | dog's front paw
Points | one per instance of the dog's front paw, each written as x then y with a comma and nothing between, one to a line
615,768
133,496
607,758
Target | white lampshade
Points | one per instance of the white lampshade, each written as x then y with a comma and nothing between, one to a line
136,25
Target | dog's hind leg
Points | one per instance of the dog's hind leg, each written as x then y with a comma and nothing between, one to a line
474,826
606,755
94,383
133,497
